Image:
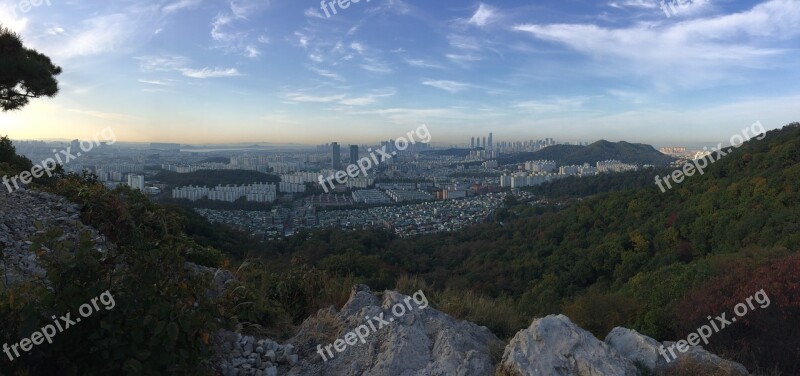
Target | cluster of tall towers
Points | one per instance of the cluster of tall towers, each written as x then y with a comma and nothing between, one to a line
487,143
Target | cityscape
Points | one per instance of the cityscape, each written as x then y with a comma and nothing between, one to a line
446,188
399,187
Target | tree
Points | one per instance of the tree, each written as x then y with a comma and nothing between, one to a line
24,73
7,150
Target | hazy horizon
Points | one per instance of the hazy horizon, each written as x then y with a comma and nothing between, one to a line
195,71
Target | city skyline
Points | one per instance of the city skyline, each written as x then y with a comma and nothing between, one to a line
283,72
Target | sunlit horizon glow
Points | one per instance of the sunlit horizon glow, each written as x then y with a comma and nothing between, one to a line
280,71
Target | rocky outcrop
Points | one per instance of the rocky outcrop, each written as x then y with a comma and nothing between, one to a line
239,355
25,214
657,357
636,348
421,341
375,334
554,346
426,342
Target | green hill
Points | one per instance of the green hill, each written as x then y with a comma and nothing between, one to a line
631,258
599,151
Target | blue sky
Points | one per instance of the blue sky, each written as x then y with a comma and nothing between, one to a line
197,71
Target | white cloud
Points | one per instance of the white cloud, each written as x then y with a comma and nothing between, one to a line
306,98
252,52
229,29
210,72
483,16
553,104
342,99
358,47
180,5
368,99
179,64
55,31
419,63
245,8
164,63
391,6
99,35
451,86
326,73
642,4
375,66
10,18
463,58
313,13
154,82
690,53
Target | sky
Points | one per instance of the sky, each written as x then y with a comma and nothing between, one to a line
288,71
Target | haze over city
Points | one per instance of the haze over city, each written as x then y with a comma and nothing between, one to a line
194,71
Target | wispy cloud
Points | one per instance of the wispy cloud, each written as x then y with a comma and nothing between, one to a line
230,33
688,53
313,13
180,65
553,104
369,98
642,4
419,63
376,66
326,73
451,86
391,6
483,16
97,36
210,72
181,5
154,82
463,58
342,99
672,8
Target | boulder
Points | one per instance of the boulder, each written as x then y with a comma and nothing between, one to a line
647,352
421,341
554,346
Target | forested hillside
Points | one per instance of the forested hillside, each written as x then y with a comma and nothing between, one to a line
627,258
598,151
656,262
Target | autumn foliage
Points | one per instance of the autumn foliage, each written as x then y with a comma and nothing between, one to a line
753,338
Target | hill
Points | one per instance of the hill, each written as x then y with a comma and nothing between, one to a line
637,258
659,263
599,151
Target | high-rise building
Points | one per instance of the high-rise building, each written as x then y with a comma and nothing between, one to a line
136,181
490,140
353,154
472,143
484,143
336,156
